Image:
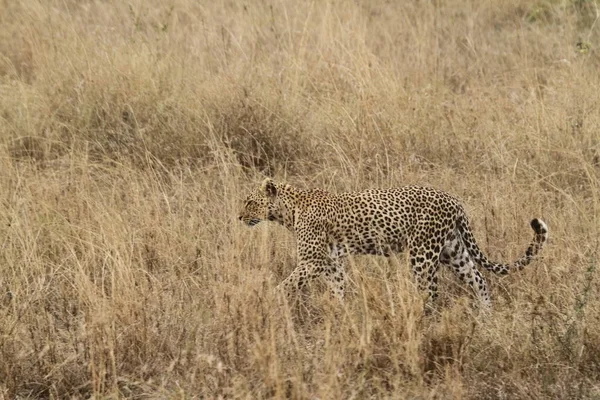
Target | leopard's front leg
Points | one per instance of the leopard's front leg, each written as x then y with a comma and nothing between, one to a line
313,261
306,271
296,280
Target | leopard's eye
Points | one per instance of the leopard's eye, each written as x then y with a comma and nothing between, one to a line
248,203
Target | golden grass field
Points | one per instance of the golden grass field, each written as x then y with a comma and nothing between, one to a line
130,133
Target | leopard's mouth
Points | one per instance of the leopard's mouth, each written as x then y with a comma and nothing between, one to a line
253,222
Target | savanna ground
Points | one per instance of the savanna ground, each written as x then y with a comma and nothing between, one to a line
130,133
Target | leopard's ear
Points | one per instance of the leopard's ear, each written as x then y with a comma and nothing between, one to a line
268,188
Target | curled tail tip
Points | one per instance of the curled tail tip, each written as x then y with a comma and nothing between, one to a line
539,226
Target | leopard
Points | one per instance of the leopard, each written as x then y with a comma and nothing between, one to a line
430,224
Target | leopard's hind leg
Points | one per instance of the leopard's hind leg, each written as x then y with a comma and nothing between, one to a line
456,256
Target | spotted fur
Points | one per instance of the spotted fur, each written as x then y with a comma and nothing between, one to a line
430,224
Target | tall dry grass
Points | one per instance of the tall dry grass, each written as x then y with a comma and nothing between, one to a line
130,132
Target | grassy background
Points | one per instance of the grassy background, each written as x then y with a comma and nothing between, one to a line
131,131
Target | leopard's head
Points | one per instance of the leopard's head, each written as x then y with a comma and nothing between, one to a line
263,203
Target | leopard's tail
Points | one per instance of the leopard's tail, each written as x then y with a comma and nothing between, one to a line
539,240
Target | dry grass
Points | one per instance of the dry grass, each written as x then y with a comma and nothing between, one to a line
130,132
